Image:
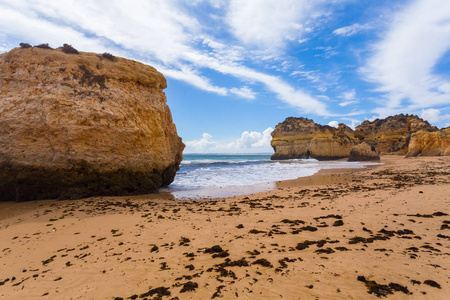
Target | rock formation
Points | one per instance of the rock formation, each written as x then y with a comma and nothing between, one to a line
302,138
400,134
363,152
430,143
391,135
77,125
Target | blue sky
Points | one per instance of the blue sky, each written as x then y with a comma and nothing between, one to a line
237,68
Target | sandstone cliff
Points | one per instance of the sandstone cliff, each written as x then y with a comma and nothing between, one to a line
76,125
430,143
391,135
302,138
399,134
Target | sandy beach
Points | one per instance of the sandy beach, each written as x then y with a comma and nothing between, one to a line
341,234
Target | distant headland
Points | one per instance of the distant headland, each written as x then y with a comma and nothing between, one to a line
400,134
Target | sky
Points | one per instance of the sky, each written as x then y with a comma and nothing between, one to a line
237,68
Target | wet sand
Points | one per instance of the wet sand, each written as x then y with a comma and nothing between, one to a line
363,234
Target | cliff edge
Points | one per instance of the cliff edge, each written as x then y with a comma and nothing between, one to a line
400,134
78,125
392,134
425,143
302,138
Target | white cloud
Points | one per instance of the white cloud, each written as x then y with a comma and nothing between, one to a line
285,92
244,92
252,140
350,95
25,25
353,123
166,39
434,116
268,24
327,51
249,142
402,64
349,98
321,81
334,124
347,103
203,145
191,76
227,53
310,75
351,30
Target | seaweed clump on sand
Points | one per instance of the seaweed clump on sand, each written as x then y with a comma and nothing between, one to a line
189,287
158,292
234,263
382,290
304,245
432,283
263,262
217,251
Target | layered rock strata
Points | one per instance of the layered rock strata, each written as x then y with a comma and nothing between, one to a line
302,138
78,125
392,134
430,143
399,134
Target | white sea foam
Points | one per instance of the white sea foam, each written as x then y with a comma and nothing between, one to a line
227,171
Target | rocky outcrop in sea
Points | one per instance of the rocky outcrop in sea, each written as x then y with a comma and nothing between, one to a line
400,134
77,124
302,138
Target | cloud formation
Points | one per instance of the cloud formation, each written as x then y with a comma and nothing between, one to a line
170,38
402,64
249,142
351,29
288,52
433,115
349,98
244,92
269,24
334,124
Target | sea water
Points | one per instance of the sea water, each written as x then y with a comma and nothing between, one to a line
222,175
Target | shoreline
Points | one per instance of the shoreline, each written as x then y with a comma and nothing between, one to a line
232,191
388,228
321,177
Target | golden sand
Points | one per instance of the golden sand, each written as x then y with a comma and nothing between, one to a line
340,235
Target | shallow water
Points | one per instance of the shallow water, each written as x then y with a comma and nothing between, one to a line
224,175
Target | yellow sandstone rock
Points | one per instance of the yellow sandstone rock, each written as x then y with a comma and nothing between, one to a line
430,143
391,135
302,138
76,125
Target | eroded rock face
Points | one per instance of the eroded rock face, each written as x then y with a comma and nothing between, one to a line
430,143
363,152
77,125
302,138
391,135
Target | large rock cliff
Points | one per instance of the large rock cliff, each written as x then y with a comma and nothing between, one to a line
392,134
430,143
302,138
400,134
77,125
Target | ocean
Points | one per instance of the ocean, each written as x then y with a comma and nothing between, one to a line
224,175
